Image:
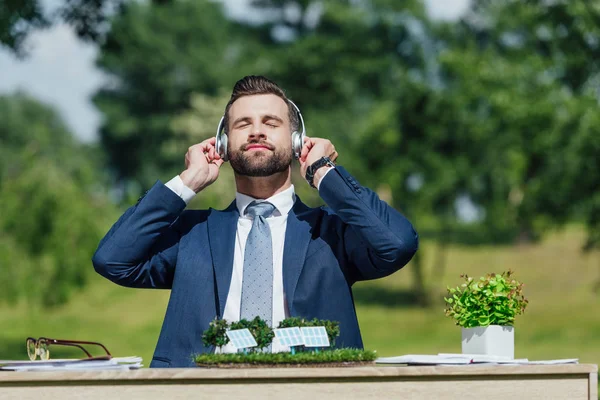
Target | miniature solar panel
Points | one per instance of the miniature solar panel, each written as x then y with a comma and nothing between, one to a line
289,336
315,336
241,338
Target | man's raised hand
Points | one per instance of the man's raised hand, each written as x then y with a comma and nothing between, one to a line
202,163
312,150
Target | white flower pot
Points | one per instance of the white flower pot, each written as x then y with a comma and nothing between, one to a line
493,340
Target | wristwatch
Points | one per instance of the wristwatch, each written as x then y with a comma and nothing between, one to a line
310,171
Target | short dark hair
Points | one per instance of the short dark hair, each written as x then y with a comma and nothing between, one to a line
253,85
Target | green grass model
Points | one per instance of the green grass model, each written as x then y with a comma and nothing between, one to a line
216,336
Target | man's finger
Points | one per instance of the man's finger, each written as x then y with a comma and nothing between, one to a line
211,153
204,146
308,144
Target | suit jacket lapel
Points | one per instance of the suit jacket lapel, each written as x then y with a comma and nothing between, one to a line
222,226
298,233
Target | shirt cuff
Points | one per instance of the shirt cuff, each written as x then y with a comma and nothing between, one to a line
179,188
323,177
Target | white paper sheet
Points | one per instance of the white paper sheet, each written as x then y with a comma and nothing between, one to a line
462,359
133,362
423,359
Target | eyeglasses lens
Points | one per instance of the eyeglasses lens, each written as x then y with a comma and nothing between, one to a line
43,350
31,352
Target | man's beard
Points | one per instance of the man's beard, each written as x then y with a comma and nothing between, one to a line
254,163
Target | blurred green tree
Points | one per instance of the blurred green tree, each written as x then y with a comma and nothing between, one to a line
18,18
55,207
564,33
89,19
558,176
557,47
346,64
495,114
481,120
158,56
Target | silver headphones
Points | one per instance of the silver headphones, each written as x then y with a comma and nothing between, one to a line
297,138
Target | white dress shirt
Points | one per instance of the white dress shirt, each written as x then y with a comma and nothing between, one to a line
283,203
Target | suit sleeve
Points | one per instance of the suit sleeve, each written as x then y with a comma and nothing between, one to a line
140,250
378,240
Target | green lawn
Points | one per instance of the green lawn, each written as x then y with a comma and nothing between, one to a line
562,320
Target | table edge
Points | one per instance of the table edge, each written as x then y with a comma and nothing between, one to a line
366,372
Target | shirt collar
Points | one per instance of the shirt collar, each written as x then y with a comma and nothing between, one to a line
283,201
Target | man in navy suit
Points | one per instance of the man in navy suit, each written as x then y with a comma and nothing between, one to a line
314,255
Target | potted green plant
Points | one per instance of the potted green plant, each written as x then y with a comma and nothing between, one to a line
486,311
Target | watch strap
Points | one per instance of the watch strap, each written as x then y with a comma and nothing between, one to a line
310,171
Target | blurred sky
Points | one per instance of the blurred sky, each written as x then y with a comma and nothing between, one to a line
60,70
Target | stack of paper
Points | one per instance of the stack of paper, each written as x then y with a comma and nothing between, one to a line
483,358
423,359
462,359
115,363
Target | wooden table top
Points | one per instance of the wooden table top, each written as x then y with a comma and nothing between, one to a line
312,373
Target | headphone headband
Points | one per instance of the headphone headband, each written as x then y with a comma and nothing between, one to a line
299,115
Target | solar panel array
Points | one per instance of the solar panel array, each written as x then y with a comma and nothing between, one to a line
241,338
315,336
289,336
312,336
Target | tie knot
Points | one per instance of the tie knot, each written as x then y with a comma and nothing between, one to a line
262,209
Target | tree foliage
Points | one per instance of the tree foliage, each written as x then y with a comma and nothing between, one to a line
216,334
18,18
54,209
154,76
481,130
260,330
492,116
89,19
546,75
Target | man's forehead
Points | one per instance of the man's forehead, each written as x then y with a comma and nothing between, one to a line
261,104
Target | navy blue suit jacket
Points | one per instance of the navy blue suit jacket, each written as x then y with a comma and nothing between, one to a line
156,244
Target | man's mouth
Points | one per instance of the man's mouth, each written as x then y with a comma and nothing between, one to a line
257,147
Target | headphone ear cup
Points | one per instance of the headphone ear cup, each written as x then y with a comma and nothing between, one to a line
297,143
221,146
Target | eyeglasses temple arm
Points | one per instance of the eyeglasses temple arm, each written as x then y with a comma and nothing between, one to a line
82,342
74,345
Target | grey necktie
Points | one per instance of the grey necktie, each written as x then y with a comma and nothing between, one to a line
257,284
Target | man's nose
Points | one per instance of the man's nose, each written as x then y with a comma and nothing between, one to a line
257,133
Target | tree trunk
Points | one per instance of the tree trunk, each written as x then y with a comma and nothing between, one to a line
596,287
440,260
419,288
